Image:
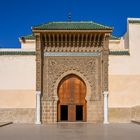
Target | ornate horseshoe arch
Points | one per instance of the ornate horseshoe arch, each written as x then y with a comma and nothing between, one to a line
88,86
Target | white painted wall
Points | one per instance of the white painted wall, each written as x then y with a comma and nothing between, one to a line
116,44
124,72
134,40
17,72
17,81
28,45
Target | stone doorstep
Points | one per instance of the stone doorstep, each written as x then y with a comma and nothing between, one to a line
135,121
5,123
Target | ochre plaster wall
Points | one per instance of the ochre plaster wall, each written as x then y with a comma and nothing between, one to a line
124,79
17,98
17,81
124,91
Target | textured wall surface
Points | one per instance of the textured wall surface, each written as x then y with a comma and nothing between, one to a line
119,115
135,113
17,115
87,68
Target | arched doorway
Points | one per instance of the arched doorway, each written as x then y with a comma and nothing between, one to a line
72,103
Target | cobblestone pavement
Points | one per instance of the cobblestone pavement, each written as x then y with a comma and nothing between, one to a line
70,131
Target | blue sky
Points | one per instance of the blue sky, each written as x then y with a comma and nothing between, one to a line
18,16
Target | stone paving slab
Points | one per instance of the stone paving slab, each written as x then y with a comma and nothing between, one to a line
71,131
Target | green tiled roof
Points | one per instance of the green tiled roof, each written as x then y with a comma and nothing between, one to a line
114,37
89,25
17,53
134,21
119,53
28,37
33,53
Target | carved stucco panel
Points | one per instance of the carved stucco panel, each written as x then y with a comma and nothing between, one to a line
105,70
54,67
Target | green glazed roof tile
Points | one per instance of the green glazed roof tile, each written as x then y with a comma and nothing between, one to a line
28,37
17,53
33,53
72,26
119,52
134,21
112,37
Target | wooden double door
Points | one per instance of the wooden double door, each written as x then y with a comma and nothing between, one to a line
72,103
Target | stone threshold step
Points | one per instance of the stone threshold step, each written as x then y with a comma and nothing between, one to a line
5,123
135,121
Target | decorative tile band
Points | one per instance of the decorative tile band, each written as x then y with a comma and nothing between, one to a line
63,53
134,21
119,53
71,54
17,53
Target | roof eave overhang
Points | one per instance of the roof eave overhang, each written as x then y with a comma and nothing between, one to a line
54,31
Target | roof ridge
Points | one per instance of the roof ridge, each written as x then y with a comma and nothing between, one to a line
72,25
101,24
71,21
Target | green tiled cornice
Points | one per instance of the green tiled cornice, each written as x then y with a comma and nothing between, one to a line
134,21
28,37
72,26
119,53
114,37
33,53
17,53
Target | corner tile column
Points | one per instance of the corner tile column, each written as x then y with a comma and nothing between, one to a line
105,107
38,93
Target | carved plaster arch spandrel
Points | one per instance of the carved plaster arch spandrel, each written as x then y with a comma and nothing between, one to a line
56,67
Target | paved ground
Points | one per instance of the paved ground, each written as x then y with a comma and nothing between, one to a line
70,131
